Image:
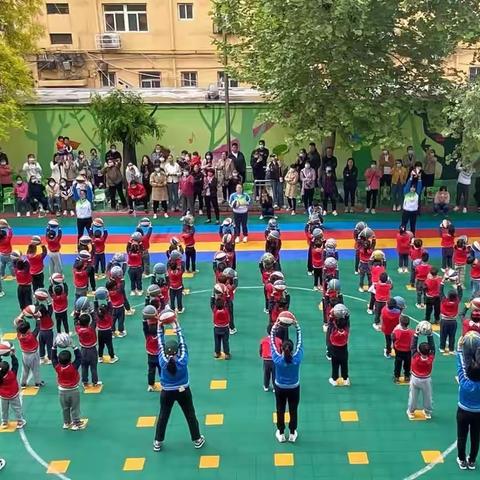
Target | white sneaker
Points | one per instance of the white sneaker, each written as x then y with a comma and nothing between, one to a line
464,210
27,214
132,293
394,208
373,211
280,436
376,327
150,388
369,311
114,359
19,214
360,289
165,215
293,437
410,415
64,213
332,382
2,294
265,389
100,359
200,212
232,331
139,293
310,273
385,354
334,213
293,212
245,239
428,415
324,328
237,239
67,426
72,213
400,270
260,217
346,383
367,210
355,272
155,216
456,209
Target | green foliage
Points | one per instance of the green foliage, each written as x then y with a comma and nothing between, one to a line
122,116
18,34
353,67
463,118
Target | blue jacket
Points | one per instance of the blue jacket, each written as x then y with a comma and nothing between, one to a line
468,391
407,186
180,379
287,375
76,191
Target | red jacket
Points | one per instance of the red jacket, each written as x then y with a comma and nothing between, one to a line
53,244
365,254
382,291
28,342
317,257
402,338
468,326
137,191
475,270
185,186
116,297
59,302
24,277
5,175
46,322
151,344
266,350
221,317
403,243
421,271
36,261
449,309
389,319
188,237
9,387
422,367
67,376
99,242
134,259
105,322
87,336
376,271
448,241
460,255
339,338
6,243
80,278
416,253
176,278
432,286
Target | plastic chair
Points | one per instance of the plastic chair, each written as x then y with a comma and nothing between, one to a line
100,197
8,198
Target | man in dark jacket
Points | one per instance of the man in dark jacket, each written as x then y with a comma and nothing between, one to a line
314,156
239,161
258,164
329,160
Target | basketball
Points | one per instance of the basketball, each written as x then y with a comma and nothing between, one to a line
98,222
424,328
41,294
286,318
63,340
5,348
167,317
475,303
451,275
36,240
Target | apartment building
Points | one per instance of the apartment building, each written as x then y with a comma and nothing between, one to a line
130,43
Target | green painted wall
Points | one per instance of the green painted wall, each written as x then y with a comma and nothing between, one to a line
198,127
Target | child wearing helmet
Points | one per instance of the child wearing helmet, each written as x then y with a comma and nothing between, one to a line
228,246
314,222
331,297
135,269
85,245
10,391
422,269
175,271
24,282
357,244
266,267
85,327
99,236
149,325
329,272
273,245
28,341
145,228
449,306
364,265
219,263
271,226
53,237
447,234
188,237
461,252
337,344
58,291
389,318
416,252
402,340
80,277
104,320
317,258
35,259
45,337
174,245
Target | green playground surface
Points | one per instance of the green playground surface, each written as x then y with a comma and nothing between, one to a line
359,432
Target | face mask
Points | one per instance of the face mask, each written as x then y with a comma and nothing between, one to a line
373,165
307,165
399,165
385,152
157,150
19,182
2,163
410,152
208,158
51,184
110,164
34,180
81,157
31,160
113,150
63,184
157,169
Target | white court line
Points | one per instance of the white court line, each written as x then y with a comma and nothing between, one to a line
428,467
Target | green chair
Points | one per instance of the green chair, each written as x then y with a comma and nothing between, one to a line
8,198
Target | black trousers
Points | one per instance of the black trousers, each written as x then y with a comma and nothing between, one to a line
403,260
184,399
282,397
118,314
45,341
62,319
190,259
402,359
309,259
38,281
357,260
308,197
153,365
176,298
221,337
432,304
24,295
135,274
448,328
372,198
83,224
349,195
240,220
100,262
105,340
332,198
132,202
388,343
91,277
232,315
468,422
317,277
447,257
292,203
410,217
112,193
212,201
200,199
339,361
268,373
156,203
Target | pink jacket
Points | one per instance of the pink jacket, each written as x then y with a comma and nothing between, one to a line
21,191
372,178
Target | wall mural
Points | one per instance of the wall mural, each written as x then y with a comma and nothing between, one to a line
202,128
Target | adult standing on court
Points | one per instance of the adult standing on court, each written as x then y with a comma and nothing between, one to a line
83,210
411,199
287,377
239,202
468,411
173,359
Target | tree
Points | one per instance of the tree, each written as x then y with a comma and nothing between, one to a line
18,34
348,67
122,116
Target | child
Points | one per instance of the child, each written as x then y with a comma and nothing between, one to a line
432,295
35,259
273,245
66,198
382,295
266,355
422,269
266,203
86,251
338,333
20,192
134,262
317,258
228,246
267,268
460,255
331,296
449,305
99,236
175,270
278,300
221,328
377,267
174,245
330,271
10,391
227,227
231,282
136,194
423,356
447,233
116,292
53,196
314,221
399,177
402,340
44,311
85,328
24,282
150,320
416,252
58,291
404,239
28,341
80,275
472,323
474,274
390,316
365,252
6,234
36,196
188,237
357,243
104,321
53,236
146,235
441,201
68,380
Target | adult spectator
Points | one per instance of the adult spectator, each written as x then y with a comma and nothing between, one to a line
314,157
158,182
173,171
262,150
350,183
239,162
198,177
70,169
185,189
328,188
307,178
228,170
132,173
372,183
36,196
156,154
146,170
386,162
409,159
465,173
82,162
218,164
96,165
291,188
57,167
429,167
239,202
411,199
468,410
210,192
258,162
114,182
5,173
330,160
275,175
207,161
301,159
113,154
3,155
32,168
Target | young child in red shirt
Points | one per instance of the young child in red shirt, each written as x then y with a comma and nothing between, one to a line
402,340
145,228
175,271
135,264
377,267
317,258
432,295
221,328
24,282
338,333
267,267
364,267
390,316
80,274
404,239
447,234
104,321
58,291
273,245
116,291
53,237
383,290
85,327
150,320
472,323
44,311
266,355
422,269
35,259
28,341
10,391
228,246
449,306
99,236
357,243
188,237
460,256
416,252
6,235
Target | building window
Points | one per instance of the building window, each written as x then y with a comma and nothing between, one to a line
474,73
185,11
57,9
61,38
232,83
108,79
125,18
150,79
189,79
